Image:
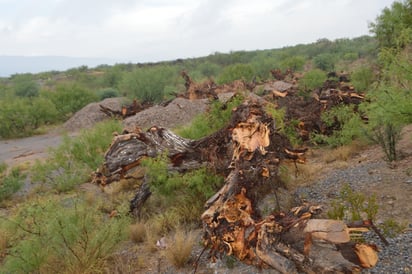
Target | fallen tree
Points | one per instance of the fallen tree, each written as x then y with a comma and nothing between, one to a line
248,152
126,110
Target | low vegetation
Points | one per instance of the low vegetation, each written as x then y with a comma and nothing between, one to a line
10,182
70,163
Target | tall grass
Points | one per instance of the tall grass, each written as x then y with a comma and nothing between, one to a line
180,247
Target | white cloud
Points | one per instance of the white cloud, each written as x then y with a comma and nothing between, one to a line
144,30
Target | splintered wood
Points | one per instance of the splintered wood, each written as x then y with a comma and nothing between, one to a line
247,152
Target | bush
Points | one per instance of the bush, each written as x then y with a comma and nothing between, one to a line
312,79
67,236
295,63
362,78
325,61
177,199
69,99
346,125
107,93
236,72
10,183
209,69
71,163
20,117
387,136
148,84
205,124
354,203
25,86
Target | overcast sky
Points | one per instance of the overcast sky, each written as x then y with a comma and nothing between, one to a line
144,30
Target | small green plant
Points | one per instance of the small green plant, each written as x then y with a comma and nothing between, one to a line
353,206
391,228
230,261
387,136
278,115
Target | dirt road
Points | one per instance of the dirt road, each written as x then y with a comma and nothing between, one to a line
17,151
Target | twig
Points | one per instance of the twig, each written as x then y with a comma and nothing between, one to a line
196,264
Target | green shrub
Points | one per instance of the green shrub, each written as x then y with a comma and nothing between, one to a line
71,163
148,84
325,61
209,69
20,117
236,72
69,99
353,206
25,86
362,78
391,228
68,236
216,118
295,63
10,183
177,199
107,93
312,79
346,124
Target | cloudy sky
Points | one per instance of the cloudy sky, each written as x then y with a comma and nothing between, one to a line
153,30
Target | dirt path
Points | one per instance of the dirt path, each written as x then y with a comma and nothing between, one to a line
13,152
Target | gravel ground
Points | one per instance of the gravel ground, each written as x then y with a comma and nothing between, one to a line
397,256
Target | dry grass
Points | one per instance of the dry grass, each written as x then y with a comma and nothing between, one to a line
3,242
342,153
152,235
130,261
180,248
137,232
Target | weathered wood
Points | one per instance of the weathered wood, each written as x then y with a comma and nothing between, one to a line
248,152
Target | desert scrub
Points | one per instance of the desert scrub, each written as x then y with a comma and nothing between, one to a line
61,236
345,125
70,164
391,228
215,119
353,206
177,199
180,247
10,182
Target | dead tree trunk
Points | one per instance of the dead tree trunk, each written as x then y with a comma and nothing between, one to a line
248,152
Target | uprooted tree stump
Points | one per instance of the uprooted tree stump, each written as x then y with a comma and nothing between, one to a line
248,152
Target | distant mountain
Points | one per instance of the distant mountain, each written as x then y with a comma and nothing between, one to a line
34,64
